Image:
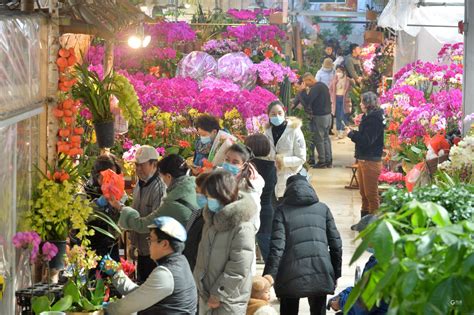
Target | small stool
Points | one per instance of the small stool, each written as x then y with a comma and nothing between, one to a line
354,183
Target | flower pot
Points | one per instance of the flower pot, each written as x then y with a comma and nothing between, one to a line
276,18
52,313
371,15
99,312
58,261
105,134
375,37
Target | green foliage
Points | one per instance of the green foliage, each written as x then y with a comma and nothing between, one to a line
94,92
57,209
43,303
344,29
85,298
456,199
425,261
128,103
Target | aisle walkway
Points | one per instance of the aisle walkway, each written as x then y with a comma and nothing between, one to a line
344,204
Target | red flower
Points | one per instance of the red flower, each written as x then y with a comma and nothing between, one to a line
184,144
268,54
127,267
248,51
150,130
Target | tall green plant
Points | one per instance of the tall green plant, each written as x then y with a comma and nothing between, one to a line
425,262
94,92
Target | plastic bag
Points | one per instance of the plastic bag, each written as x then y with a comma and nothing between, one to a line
113,185
197,65
237,68
222,142
414,175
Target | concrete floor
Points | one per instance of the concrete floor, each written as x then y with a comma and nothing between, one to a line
345,206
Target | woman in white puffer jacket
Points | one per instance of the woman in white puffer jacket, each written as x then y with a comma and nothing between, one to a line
288,145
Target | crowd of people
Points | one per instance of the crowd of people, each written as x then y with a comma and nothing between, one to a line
194,230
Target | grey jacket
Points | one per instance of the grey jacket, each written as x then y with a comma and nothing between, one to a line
146,197
225,257
353,67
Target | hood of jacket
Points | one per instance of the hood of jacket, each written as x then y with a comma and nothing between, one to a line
233,214
377,114
293,122
299,192
180,187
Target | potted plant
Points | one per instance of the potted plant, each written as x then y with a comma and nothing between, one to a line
370,14
57,208
82,294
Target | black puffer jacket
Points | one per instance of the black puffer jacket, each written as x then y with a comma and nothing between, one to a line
369,138
306,249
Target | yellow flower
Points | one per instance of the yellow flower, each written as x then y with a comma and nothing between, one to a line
94,137
233,114
193,112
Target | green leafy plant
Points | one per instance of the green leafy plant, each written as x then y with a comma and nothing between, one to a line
425,262
56,209
456,199
44,303
94,92
128,103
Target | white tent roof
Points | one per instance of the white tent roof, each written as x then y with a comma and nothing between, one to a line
400,14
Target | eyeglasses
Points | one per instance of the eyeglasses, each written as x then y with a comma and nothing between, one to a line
149,240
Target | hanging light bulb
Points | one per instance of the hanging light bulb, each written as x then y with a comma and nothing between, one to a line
139,40
134,42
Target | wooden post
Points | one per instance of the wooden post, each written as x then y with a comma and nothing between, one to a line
53,48
468,80
299,48
108,57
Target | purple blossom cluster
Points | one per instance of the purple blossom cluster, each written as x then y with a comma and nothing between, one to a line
170,32
28,240
215,96
248,33
220,46
272,73
49,251
242,15
451,52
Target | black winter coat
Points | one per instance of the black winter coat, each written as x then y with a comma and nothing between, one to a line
306,248
194,235
267,170
369,138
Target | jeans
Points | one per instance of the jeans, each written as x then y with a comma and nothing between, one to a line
368,174
340,115
263,240
145,266
320,128
290,306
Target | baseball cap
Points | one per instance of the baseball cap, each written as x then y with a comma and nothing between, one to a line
170,227
364,222
145,153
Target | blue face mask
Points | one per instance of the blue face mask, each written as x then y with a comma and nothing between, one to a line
234,169
214,205
277,120
205,140
201,200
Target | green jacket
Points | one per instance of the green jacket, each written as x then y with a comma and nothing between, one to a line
183,188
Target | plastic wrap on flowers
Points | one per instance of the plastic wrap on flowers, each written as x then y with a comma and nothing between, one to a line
197,65
237,67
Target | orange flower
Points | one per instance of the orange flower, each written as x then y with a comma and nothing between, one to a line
150,130
393,126
248,52
268,54
184,144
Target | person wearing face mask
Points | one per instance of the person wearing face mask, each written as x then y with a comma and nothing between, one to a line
147,196
195,223
288,146
338,302
207,127
226,249
341,103
179,202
